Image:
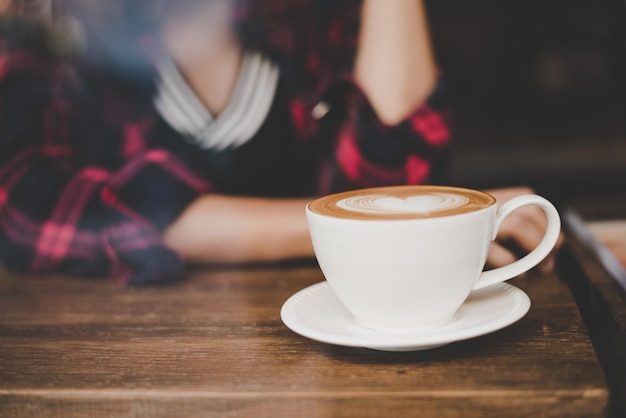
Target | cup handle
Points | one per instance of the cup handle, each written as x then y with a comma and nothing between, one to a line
529,261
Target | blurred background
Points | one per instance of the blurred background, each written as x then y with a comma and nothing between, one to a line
537,90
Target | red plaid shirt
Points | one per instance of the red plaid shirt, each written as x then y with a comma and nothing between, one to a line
90,173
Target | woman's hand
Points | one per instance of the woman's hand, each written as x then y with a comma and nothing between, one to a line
520,232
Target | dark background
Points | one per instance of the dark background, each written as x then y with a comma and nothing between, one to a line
537,92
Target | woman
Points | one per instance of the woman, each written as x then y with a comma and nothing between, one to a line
198,130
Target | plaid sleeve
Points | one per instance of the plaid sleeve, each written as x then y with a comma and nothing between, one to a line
91,221
59,214
368,153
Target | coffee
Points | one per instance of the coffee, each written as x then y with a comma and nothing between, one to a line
401,202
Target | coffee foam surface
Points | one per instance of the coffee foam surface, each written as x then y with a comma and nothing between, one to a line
402,202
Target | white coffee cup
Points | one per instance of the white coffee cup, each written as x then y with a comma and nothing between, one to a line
405,258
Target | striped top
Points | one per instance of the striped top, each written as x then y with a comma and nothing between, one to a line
247,109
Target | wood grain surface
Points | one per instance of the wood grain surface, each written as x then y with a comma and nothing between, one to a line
214,345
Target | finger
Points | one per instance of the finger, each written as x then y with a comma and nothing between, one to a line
499,256
547,265
532,214
522,235
559,242
523,231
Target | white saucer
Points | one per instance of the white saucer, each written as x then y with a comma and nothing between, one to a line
316,313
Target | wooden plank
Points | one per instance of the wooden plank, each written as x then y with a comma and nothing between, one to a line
214,345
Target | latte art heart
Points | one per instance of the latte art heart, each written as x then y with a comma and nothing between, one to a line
401,202
421,204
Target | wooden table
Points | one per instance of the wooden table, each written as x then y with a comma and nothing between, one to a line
214,345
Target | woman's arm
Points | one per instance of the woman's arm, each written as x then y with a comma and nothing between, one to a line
394,63
232,229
